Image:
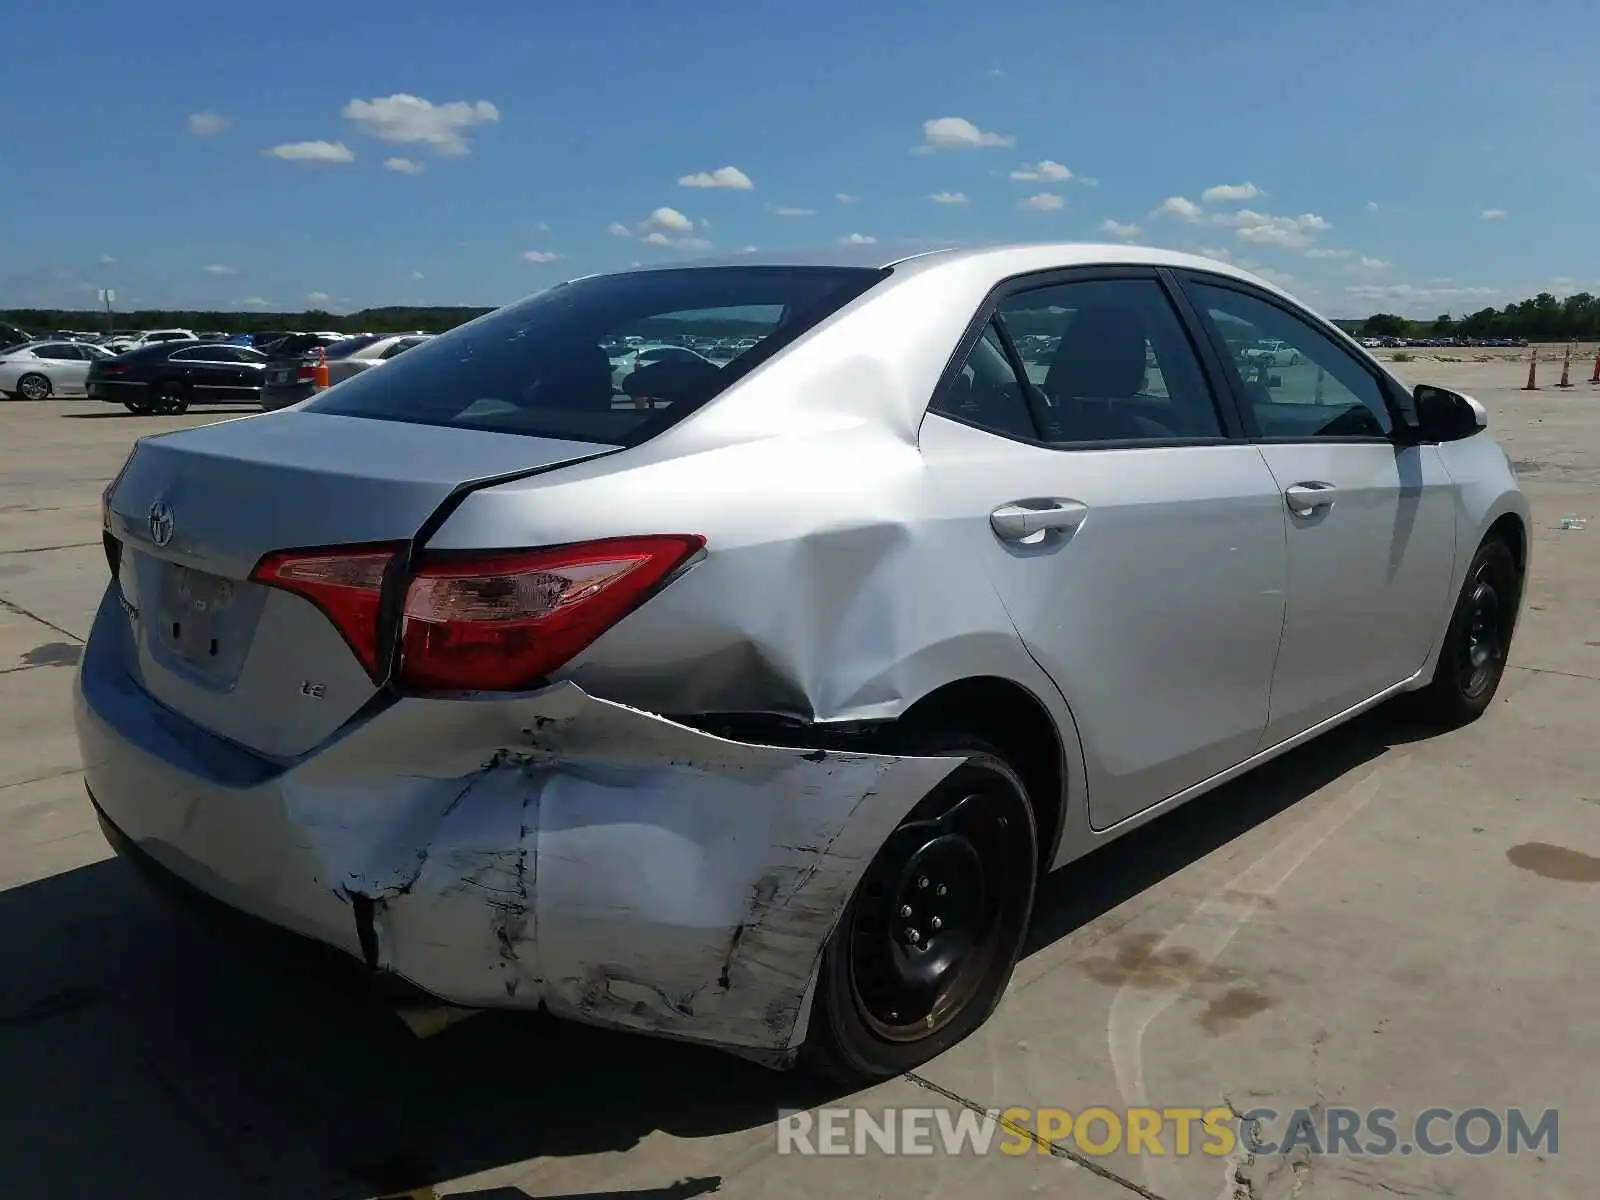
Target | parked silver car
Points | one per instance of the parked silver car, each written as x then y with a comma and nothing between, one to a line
40,370
752,718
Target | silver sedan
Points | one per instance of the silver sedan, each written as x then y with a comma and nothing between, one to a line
753,717
40,370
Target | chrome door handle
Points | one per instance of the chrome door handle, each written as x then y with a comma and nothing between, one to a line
1304,499
1025,518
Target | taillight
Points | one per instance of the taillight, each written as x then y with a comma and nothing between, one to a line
306,374
500,622
346,584
114,368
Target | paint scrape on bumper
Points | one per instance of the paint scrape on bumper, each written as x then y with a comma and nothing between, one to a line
606,863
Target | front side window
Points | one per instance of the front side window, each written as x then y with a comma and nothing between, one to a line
1298,381
539,367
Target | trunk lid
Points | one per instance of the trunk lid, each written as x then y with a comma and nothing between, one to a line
195,511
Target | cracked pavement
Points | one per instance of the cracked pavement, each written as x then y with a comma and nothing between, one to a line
1376,920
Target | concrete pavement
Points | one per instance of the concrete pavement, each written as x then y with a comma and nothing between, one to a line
1377,920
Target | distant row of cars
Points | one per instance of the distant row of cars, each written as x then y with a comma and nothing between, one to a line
167,370
1400,343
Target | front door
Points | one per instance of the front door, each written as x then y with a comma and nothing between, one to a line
1138,549
1371,518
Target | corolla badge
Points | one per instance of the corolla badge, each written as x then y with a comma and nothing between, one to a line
160,521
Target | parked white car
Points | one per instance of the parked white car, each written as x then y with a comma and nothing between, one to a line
355,354
150,338
1273,353
40,370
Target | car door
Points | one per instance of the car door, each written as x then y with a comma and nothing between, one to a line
67,365
1371,516
1135,538
201,372
240,372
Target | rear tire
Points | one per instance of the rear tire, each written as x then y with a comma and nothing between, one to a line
927,944
34,387
1473,657
171,399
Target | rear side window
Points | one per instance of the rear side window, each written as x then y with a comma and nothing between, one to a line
542,366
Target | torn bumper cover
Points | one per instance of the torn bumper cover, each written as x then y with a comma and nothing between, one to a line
551,850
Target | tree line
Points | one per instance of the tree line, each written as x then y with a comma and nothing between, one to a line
1541,319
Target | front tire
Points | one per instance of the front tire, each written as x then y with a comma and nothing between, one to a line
928,942
34,387
1473,657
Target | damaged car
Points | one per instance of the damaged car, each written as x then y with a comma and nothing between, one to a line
753,716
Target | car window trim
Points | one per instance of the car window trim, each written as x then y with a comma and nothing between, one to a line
1223,397
1386,389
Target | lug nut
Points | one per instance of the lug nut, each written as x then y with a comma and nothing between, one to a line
913,936
923,882
937,923
905,910
940,890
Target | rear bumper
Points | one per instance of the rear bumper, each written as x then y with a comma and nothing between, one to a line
550,850
282,397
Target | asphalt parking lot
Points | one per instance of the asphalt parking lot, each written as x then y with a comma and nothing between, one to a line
1378,920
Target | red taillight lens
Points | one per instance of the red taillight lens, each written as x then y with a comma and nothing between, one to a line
306,374
501,622
115,368
346,584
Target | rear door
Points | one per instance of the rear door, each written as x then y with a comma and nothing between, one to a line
68,367
1371,517
1136,540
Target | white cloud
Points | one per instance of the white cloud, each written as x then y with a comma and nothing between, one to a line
858,239
1406,297
539,256
618,229
1052,172
1374,264
1494,214
318,298
1264,229
1178,206
1326,252
669,220
723,177
405,166
657,238
949,198
327,152
784,210
543,227
1118,229
418,275
846,198
206,124
253,302
958,133
1371,206
1220,253
748,250
219,270
1232,191
406,118
107,261
1044,202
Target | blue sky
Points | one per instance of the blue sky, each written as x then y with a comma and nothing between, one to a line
1418,157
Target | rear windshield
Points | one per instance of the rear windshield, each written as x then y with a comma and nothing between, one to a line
347,347
544,366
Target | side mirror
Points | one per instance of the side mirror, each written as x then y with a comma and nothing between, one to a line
1446,416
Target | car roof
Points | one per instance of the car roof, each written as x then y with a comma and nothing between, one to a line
1003,260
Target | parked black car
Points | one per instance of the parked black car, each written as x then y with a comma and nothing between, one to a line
289,377
170,376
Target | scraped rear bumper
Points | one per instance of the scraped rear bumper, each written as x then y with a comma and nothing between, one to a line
551,849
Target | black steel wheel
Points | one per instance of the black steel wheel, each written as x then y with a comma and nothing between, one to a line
1473,658
928,942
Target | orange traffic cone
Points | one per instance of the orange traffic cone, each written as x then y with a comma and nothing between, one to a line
319,373
1533,364
1566,368
1595,378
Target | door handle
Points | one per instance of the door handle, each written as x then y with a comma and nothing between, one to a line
1304,499
1025,518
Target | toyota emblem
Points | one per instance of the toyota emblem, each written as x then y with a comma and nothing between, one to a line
160,518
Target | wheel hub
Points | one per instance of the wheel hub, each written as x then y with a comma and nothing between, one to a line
1484,644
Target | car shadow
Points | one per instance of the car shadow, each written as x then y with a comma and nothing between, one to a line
145,1056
